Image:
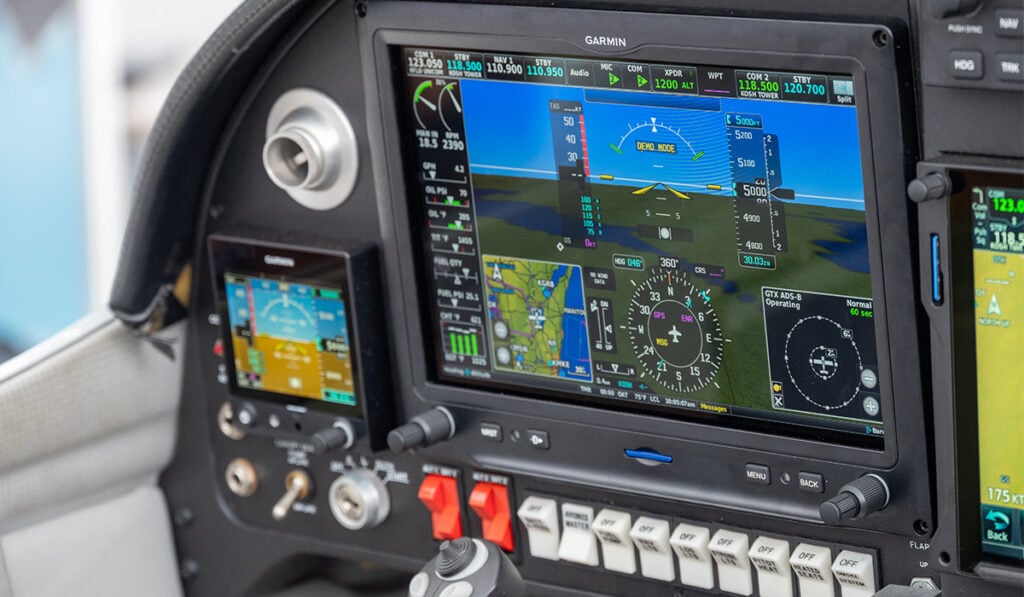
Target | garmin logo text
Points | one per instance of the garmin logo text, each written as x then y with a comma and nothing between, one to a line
278,260
600,40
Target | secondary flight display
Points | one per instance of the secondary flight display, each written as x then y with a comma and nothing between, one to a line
290,338
685,239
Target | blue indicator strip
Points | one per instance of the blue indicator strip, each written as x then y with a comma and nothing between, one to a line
936,272
649,455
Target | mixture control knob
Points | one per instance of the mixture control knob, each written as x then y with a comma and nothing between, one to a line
930,187
437,424
940,9
857,499
339,436
297,487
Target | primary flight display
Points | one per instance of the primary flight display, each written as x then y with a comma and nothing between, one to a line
688,240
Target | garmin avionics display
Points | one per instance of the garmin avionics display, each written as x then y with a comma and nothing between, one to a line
998,240
687,240
286,317
290,338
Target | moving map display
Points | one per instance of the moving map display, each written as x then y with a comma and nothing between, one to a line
688,240
290,338
998,238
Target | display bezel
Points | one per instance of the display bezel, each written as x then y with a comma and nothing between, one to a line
320,268
844,48
961,289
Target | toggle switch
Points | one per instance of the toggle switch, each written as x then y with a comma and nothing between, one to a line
579,544
813,567
731,552
651,537
540,517
490,501
612,530
771,560
440,494
297,487
856,573
696,566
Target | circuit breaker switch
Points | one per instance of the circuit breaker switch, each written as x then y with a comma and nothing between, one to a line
491,503
440,494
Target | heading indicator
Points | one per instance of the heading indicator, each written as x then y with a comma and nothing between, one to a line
711,81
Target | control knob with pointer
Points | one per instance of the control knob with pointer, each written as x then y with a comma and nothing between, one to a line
856,499
338,436
927,188
430,427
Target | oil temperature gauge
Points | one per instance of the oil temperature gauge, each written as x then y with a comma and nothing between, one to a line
675,332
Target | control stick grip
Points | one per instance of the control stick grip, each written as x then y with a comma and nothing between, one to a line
430,427
467,567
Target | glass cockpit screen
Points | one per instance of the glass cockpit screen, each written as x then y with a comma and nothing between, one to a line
998,238
290,338
688,240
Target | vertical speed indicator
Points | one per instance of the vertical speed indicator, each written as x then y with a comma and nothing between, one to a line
675,332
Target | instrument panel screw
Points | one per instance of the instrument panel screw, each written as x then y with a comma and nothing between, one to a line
188,570
183,517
